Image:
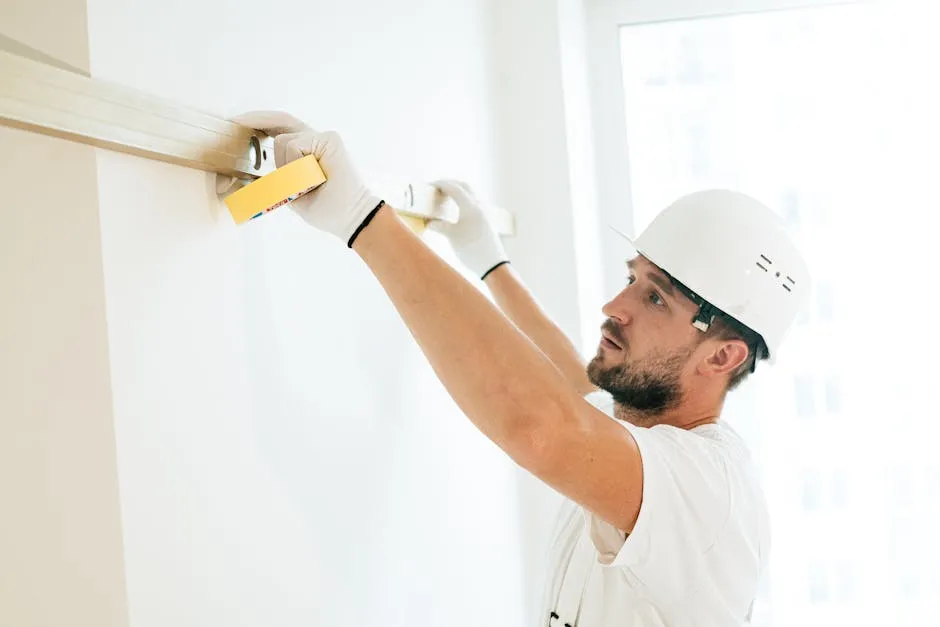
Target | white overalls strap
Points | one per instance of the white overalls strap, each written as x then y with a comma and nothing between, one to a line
567,609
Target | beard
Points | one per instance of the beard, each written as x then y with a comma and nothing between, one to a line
649,388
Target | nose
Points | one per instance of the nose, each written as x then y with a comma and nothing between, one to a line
618,308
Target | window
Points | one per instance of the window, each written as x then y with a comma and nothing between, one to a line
831,115
805,396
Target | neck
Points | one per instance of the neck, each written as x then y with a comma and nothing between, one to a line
686,415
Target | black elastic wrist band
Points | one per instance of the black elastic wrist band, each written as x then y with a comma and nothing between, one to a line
365,223
487,273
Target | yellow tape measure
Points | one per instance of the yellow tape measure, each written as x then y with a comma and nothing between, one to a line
275,189
284,185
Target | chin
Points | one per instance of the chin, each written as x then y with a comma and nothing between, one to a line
598,366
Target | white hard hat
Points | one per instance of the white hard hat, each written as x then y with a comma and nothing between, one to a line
733,253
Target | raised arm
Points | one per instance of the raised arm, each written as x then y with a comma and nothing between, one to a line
518,303
479,248
503,383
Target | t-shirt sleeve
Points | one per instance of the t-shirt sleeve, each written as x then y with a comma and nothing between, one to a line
686,504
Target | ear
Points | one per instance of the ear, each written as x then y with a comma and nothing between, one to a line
727,357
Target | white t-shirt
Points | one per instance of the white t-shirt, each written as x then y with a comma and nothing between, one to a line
696,554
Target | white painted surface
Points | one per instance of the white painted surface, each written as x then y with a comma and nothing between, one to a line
532,153
61,557
588,227
284,453
286,456
546,175
614,194
27,21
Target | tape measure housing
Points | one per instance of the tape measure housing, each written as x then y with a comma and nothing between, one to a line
275,189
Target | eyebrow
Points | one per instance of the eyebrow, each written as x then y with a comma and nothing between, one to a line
664,284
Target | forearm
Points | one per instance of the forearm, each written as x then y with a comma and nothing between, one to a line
521,307
501,381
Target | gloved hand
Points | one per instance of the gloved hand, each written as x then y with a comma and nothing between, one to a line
343,203
474,239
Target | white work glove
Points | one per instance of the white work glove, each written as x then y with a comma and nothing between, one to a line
343,203
474,239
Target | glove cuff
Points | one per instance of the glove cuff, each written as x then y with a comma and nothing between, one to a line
487,273
364,224
483,255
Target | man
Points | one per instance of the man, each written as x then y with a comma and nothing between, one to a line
666,524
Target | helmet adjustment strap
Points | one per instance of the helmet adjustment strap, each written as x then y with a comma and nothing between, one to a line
706,311
706,316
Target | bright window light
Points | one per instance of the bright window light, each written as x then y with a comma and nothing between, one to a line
831,115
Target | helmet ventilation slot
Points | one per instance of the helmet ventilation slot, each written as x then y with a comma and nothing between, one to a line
765,268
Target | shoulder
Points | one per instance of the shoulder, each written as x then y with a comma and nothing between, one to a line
708,462
717,440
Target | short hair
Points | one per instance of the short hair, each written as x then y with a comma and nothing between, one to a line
724,327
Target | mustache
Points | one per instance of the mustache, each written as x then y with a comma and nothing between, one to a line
613,329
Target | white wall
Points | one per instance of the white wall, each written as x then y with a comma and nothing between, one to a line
257,438
538,61
61,557
285,454
27,21
60,536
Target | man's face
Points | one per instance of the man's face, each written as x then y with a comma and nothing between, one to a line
647,342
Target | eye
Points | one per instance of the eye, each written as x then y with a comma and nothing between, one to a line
654,298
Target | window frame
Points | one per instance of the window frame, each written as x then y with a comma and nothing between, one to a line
604,19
